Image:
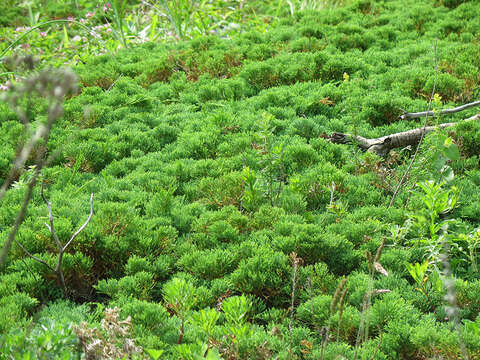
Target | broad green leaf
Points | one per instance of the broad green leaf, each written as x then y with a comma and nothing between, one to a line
452,153
154,353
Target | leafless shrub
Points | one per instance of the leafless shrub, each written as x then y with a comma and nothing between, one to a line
61,248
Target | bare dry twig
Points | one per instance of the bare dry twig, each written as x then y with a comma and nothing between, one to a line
61,248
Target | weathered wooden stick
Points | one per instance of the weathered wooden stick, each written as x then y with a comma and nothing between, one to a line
443,112
384,144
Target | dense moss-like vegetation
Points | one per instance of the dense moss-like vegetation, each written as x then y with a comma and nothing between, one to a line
224,218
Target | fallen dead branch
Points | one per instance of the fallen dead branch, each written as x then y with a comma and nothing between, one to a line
384,144
407,115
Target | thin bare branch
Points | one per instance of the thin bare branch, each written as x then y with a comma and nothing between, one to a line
61,249
83,226
443,112
50,227
474,117
33,256
332,190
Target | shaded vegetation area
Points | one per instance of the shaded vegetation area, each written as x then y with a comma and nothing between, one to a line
227,225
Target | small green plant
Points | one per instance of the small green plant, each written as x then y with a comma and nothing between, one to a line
437,107
271,177
473,243
206,320
430,220
180,297
190,19
237,329
196,352
272,174
336,207
252,196
154,353
235,309
296,263
426,280
338,299
119,9
180,15
374,266
441,153
50,340
300,5
33,16
472,328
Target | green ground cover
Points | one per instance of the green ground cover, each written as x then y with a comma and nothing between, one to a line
226,224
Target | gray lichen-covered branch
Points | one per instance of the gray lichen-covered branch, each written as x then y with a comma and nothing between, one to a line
407,115
384,144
